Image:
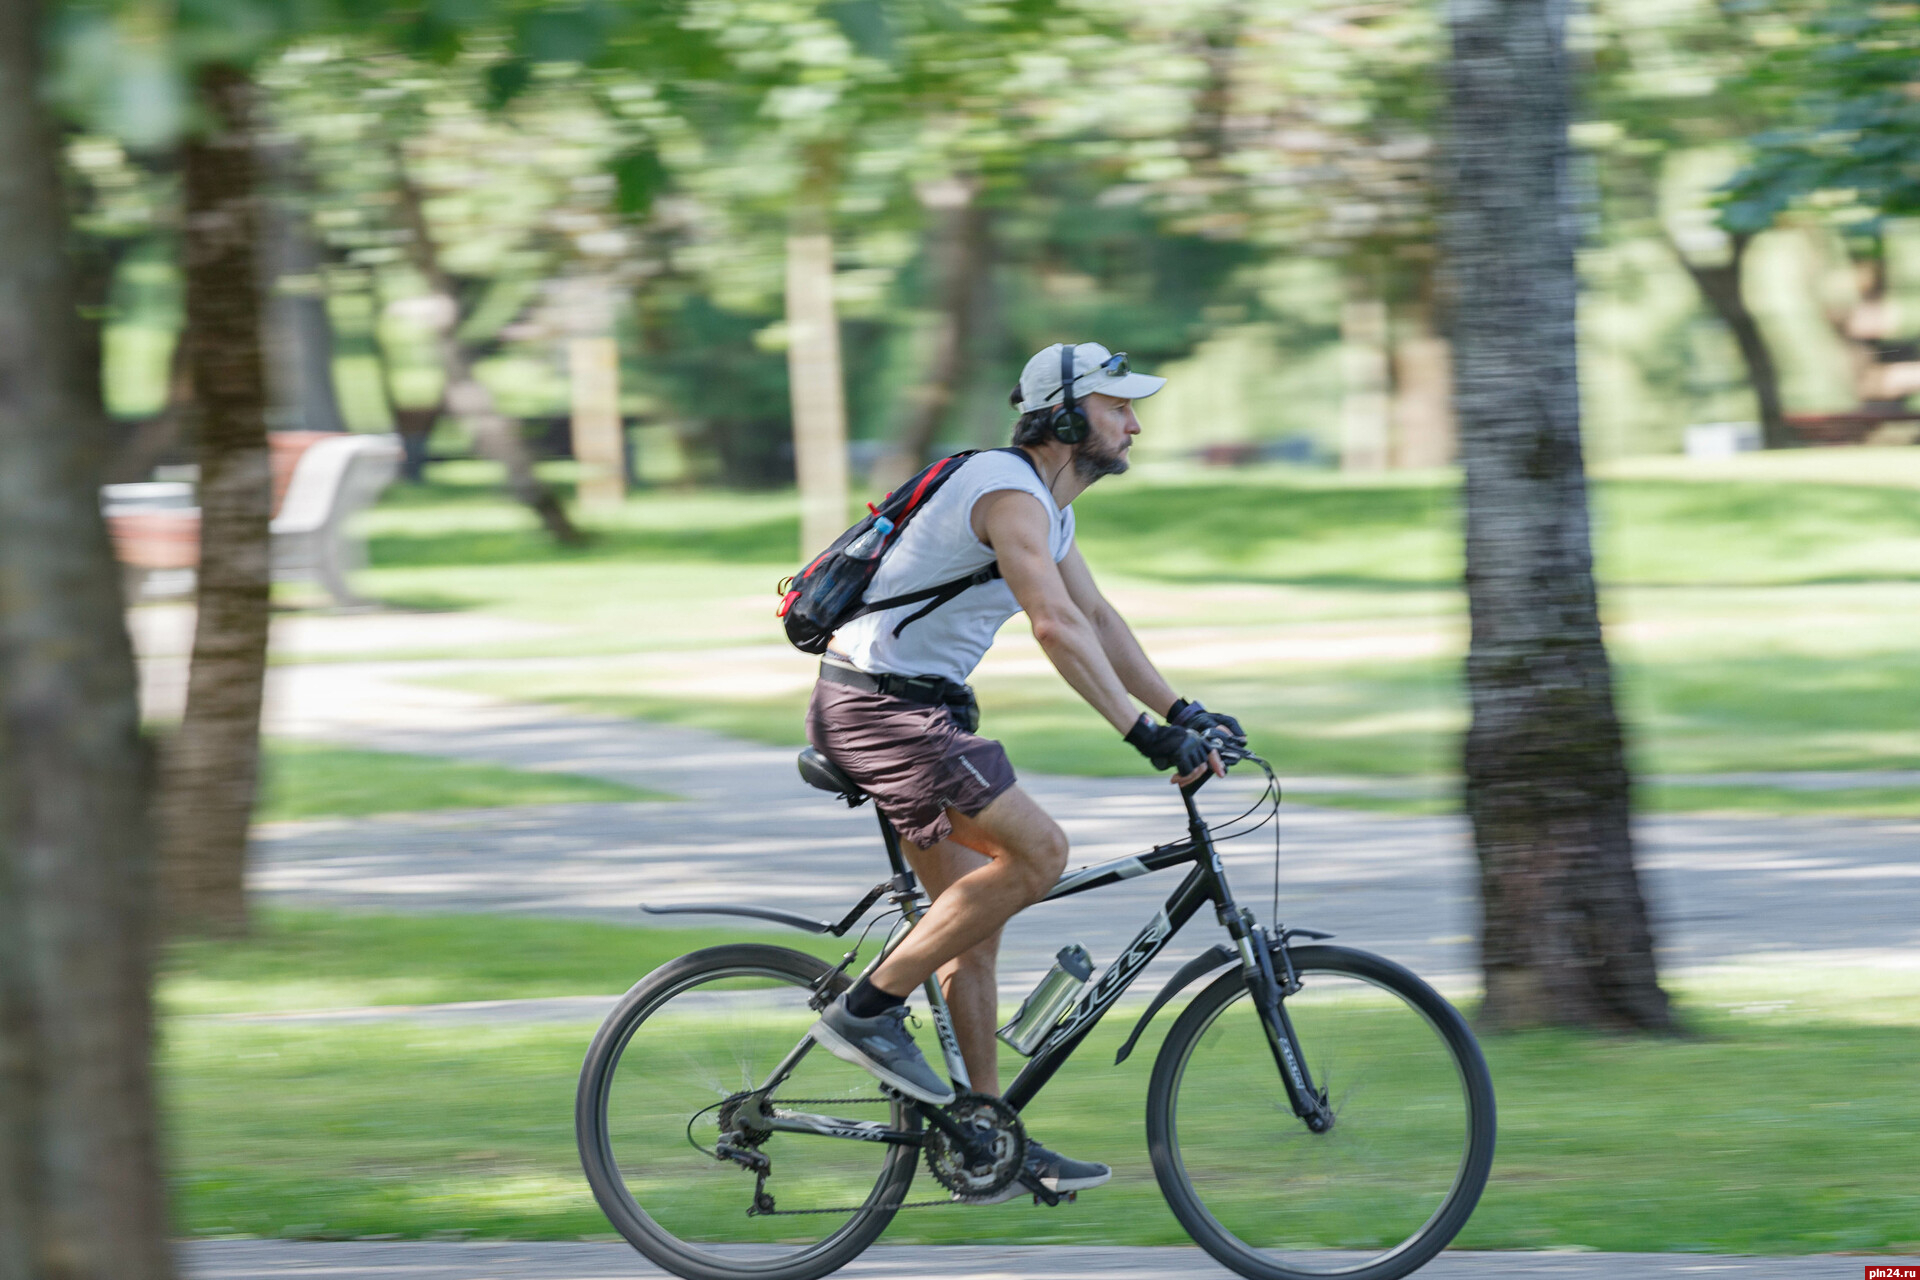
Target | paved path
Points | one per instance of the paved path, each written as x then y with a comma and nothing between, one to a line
280,1260
1723,890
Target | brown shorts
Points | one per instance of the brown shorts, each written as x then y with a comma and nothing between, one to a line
914,760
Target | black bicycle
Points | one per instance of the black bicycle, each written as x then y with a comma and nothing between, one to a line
1313,1111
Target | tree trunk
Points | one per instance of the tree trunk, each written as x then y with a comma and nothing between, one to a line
1564,938
1721,287
413,423
299,330
813,363
1422,412
81,1196
1363,364
141,448
495,436
958,254
212,763
599,438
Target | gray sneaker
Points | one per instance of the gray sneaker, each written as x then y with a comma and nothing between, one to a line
882,1045
1055,1172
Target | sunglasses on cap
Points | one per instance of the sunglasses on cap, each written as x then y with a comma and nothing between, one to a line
1114,366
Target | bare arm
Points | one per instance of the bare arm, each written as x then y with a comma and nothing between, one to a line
1013,523
1129,660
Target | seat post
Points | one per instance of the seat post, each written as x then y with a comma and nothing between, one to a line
892,838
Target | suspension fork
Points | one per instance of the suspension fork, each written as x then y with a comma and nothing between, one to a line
1269,991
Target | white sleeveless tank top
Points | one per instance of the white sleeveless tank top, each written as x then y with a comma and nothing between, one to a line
938,546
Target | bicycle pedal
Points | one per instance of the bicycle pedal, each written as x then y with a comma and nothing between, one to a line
1066,1197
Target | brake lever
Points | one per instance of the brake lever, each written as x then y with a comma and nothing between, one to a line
1232,750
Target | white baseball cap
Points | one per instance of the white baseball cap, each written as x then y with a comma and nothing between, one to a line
1094,369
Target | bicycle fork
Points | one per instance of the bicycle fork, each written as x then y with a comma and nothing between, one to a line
1269,991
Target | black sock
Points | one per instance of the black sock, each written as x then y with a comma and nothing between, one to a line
869,1001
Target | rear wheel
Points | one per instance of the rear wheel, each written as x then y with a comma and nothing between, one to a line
658,1080
1386,1187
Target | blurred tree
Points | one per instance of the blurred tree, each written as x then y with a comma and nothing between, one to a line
958,255
1841,81
1564,937
125,206
81,1196
1665,83
212,761
1309,131
401,184
1838,79
299,329
826,77
495,436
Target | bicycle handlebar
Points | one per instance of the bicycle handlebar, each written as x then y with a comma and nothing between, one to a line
1232,751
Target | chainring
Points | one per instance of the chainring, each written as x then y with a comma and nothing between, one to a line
998,1128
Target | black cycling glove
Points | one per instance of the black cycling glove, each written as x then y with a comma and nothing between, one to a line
1191,715
1168,746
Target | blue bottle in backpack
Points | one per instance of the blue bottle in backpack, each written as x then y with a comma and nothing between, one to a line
841,591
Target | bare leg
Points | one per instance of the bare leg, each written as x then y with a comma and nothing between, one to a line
968,980
1025,852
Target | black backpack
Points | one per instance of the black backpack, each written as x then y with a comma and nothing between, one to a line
827,594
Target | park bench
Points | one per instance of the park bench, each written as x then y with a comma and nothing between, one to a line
1854,426
320,479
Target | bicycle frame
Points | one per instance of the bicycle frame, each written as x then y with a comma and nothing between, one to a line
1205,883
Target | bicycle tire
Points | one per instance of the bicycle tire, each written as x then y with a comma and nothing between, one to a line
1274,1189
698,1259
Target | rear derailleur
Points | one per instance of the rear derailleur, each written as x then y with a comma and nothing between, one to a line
740,1140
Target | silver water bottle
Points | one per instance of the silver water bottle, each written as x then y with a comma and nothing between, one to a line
1041,1011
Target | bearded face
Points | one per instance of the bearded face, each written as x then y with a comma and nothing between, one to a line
1091,459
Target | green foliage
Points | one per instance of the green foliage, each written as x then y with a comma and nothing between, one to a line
1845,129
1144,169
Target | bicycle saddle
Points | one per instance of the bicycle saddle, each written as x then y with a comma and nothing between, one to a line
818,771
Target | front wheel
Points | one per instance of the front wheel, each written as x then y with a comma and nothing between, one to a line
1386,1187
664,1082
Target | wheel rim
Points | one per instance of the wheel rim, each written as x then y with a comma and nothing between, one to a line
1347,1201
719,1033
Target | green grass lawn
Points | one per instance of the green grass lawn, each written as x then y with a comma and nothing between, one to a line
1760,617
1784,1124
312,780
346,960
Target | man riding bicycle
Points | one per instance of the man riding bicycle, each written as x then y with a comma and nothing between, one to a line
893,711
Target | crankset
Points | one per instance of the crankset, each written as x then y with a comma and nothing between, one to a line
1000,1143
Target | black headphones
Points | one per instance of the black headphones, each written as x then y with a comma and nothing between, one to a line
1069,423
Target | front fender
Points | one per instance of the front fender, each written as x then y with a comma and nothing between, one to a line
1198,967
1201,965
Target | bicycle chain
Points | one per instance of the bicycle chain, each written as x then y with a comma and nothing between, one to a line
760,1183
